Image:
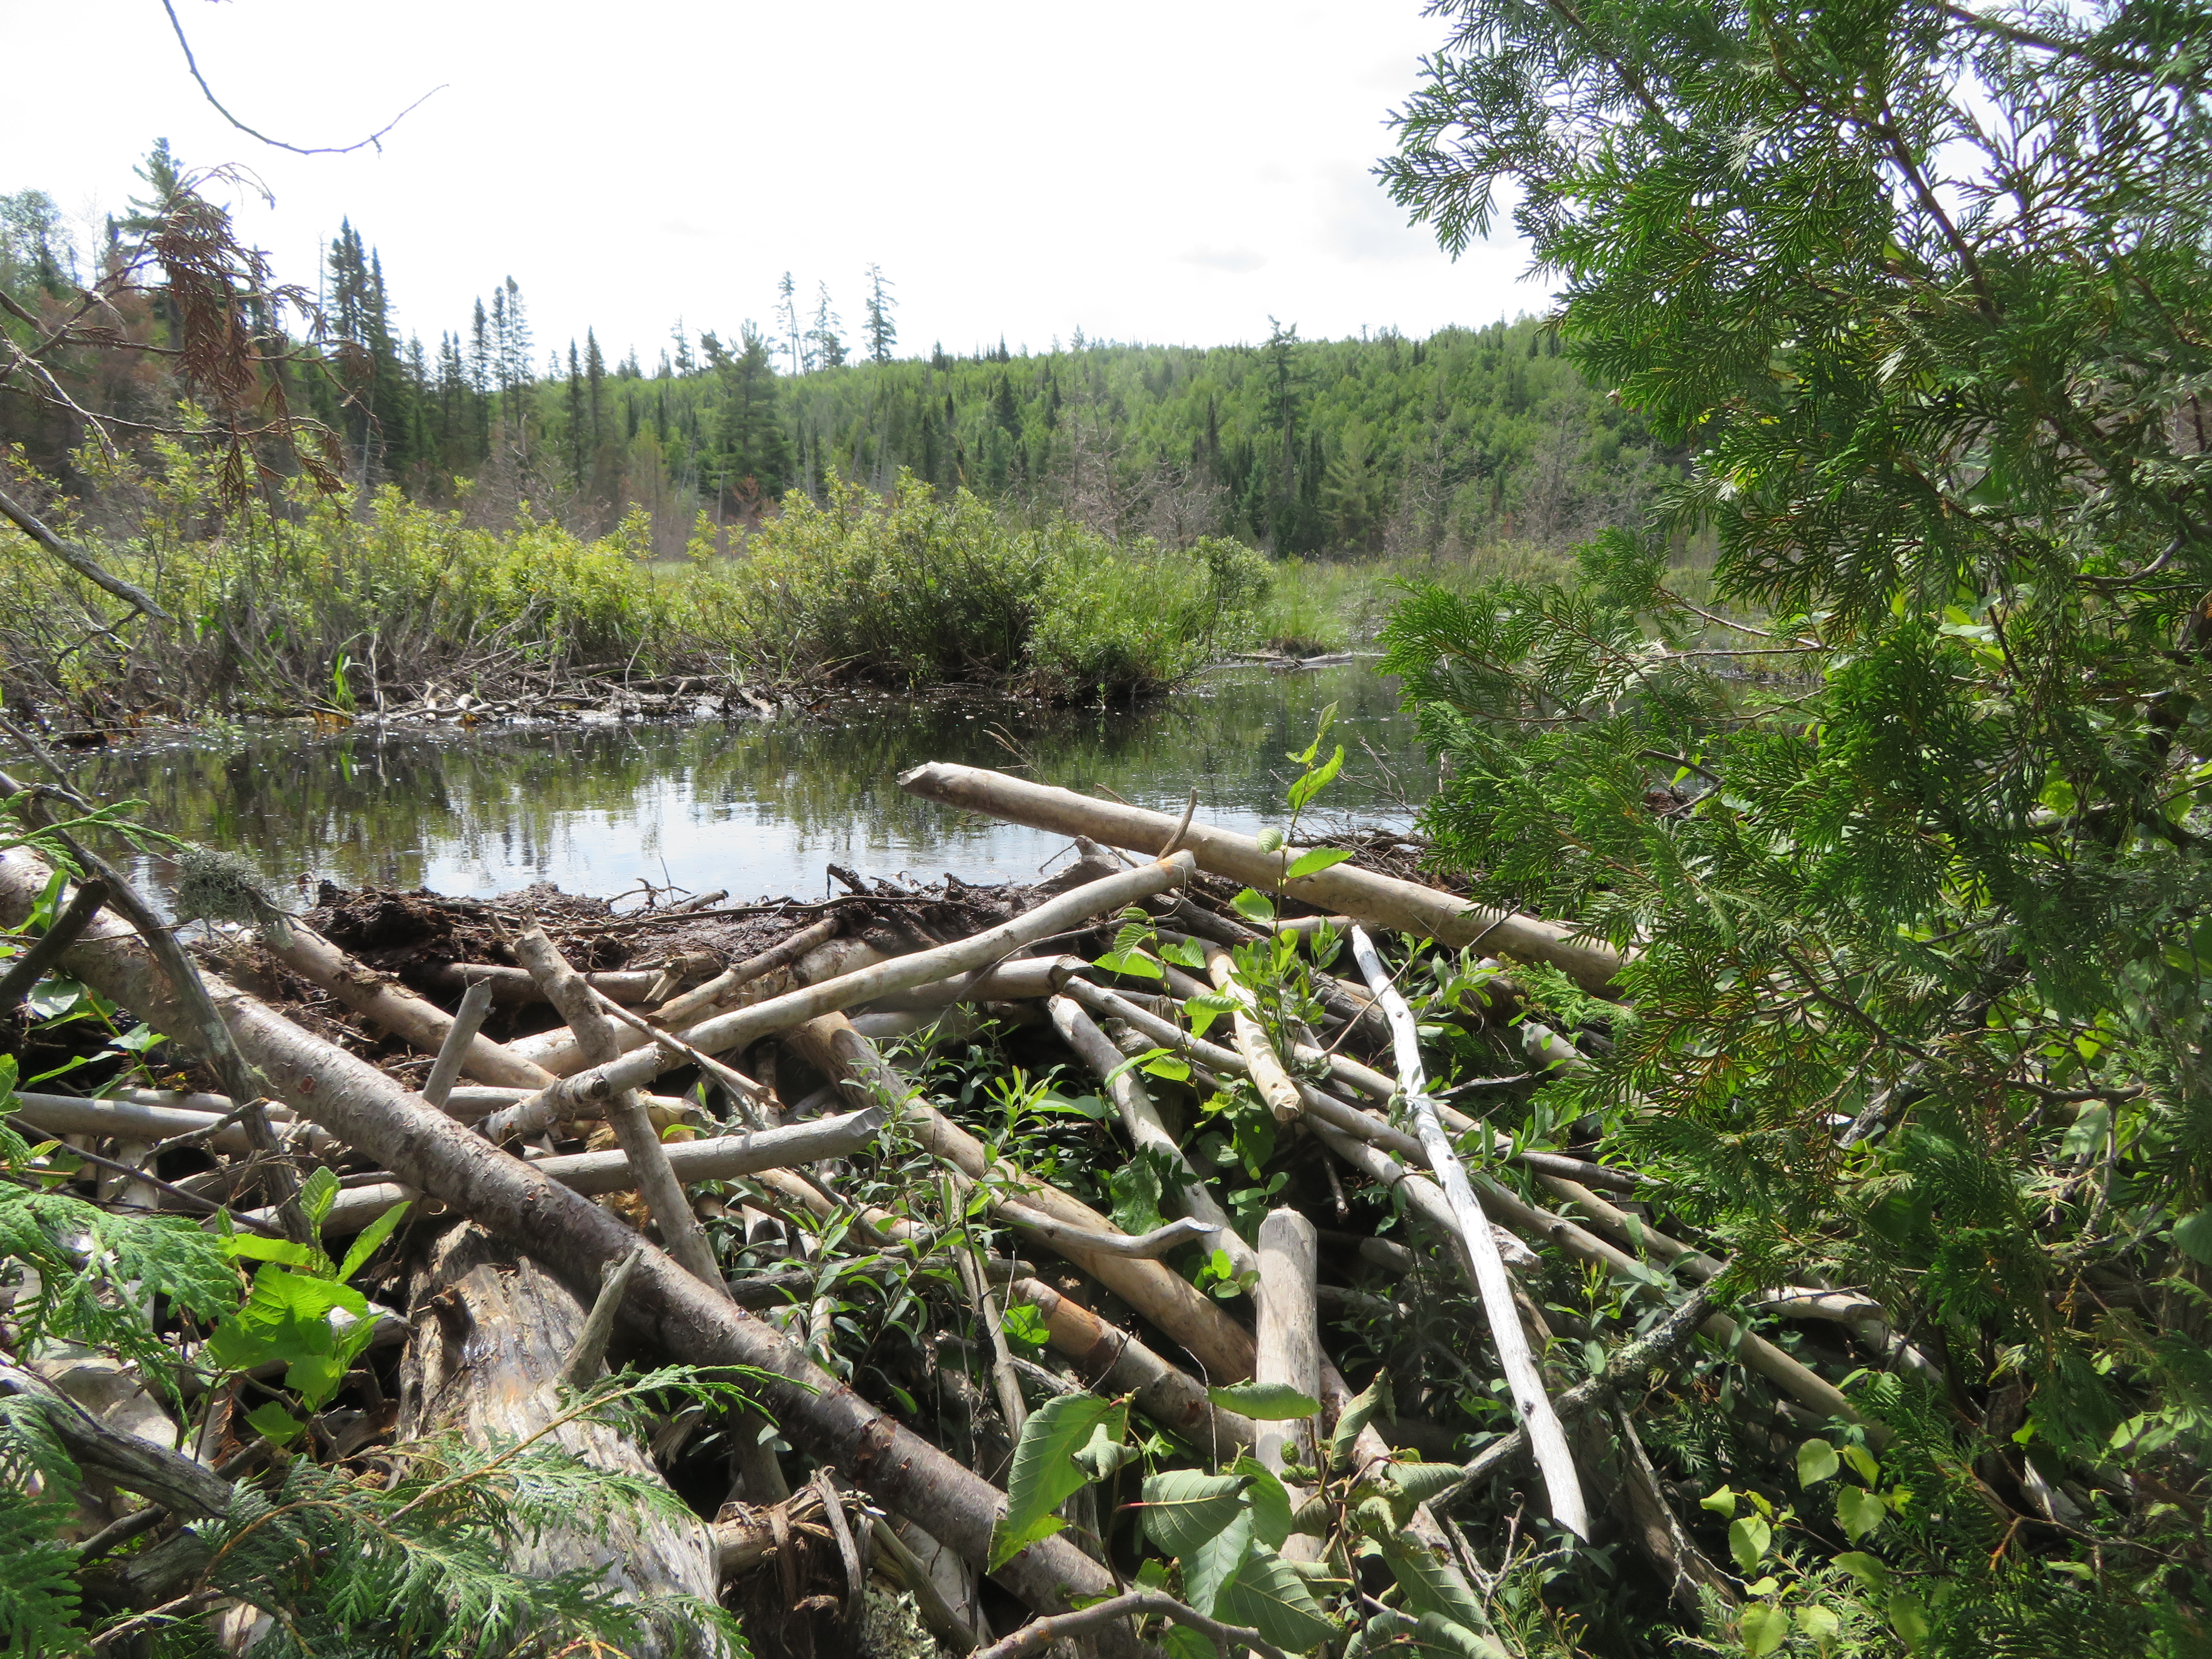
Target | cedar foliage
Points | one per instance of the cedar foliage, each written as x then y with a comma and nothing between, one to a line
1910,840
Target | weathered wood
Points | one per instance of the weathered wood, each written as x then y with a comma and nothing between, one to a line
485,1360
667,1308
1289,1347
1531,1404
744,1026
1261,1063
1383,901
1222,1346
513,986
1114,1362
134,1120
468,1020
28,968
397,1009
656,1181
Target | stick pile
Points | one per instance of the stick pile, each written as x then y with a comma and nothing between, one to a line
768,1162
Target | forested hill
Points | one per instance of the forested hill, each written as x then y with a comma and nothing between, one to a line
1470,436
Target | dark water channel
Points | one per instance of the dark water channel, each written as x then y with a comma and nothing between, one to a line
756,807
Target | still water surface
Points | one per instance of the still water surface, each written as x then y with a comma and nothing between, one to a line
756,807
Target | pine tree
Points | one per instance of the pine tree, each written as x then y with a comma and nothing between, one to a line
881,332
826,337
787,311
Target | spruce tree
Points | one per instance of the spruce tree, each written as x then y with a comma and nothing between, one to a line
882,333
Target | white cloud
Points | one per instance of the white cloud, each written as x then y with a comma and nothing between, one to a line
1170,171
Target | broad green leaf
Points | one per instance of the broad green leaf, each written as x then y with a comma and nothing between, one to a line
1254,907
1207,1007
1183,1508
1816,1461
1313,862
1820,1623
1270,1502
1749,1537
1908,1617
1208,1566
1023,1324
256,1248
1172,1067
1185,953
1764,1627
1429,1584
1134,962
1862,1461
371,1236
1265,1402
1423,1481
1302,789
1046,1474
1358,1412
1447,1639
272,1422
317,1194
2192,1236
1859,1510
2086,1138
1265,1593
1722,1503
1182,1642
1867,1569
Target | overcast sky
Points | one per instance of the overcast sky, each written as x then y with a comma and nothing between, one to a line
1154,171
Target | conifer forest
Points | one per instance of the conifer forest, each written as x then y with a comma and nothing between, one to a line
1705,1148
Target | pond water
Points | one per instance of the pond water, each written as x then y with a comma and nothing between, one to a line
758,807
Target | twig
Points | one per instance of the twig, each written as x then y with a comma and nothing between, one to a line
190,1200
1133,1604
76,559
581,1369
475,1003
27,969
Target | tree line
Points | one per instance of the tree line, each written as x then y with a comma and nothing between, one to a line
1307,447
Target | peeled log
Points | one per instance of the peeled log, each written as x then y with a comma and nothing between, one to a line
667,1308
485,1360
1381,901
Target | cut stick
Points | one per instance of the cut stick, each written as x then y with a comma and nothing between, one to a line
1222,1347
1381,900
28,968
641,1143
1555,1462
1289,1341
398,1010
581,1368
735,1029
667,1308
1261,1063
1141,1119
513,986
136,1121
722,1159
468,1020
1114,1362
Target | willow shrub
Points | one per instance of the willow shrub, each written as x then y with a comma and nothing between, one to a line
922,589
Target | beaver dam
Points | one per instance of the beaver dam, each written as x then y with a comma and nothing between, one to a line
1167,1251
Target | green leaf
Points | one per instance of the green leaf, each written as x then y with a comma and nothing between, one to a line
1820,1623
1254,907
1762,1627
255,1247
317,1194
1447,1639
1862,1461
1172,1067
1265,1593
1183,1508
1312,863
1816,1461
1423,1481
1134,962
371,1236
1265,1402
2086,1136
2192,1236
1867,1569
1270,1502
1358,1412
1304,789
1859,1510
1908,1617
1207,1007
1182,1642
1208,1567
1722,1503
1023,1324
273,1422
1046,1471
1749,1537
1185,953
1429,1585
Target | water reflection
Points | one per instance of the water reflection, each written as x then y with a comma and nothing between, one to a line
756,807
